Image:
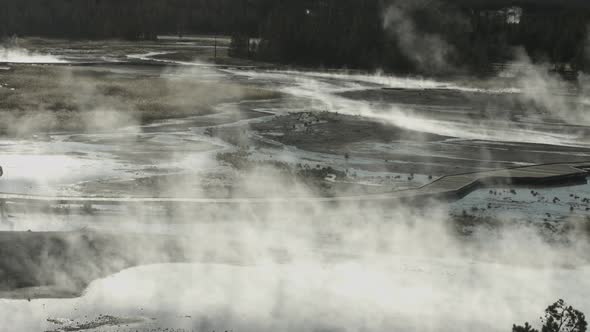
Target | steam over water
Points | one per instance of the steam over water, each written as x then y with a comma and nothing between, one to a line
21,55
334,269
326,89
400,293
307,267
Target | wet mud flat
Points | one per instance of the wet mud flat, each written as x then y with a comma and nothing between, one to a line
49,98
364,143
504,97
497,107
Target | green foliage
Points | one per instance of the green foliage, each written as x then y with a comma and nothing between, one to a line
352,34
559,317
525,328
239,46
130,19
341,33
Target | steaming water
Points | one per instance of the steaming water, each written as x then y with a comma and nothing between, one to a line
398,293
51,168
324,89
19,55
369,289
150,57
57,164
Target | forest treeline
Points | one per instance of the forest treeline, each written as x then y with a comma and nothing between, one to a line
397,35
129,19
427,36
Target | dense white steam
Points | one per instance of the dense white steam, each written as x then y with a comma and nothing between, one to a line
547,93
335,268
21,55
429,52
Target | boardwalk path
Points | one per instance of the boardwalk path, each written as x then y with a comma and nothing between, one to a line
446,188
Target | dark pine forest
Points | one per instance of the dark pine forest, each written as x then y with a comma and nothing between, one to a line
424,36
